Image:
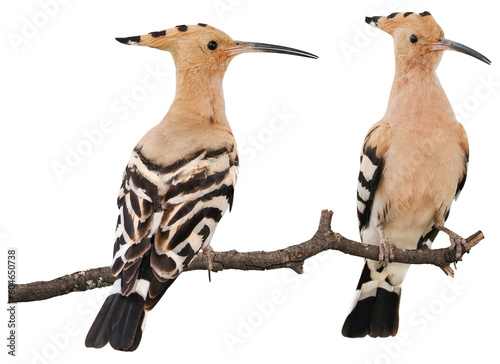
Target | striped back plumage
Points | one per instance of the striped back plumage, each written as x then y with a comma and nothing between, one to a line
166,215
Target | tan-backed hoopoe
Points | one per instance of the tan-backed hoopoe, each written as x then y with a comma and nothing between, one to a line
178,183
413,165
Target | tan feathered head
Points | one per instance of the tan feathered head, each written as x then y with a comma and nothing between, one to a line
417,37
203,45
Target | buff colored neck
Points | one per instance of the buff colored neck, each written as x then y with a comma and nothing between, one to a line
417,97
199,97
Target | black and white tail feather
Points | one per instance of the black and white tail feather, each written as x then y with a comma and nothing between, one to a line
166,215
375,308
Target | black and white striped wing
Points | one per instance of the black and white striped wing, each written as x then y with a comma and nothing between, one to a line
370,173
375,308
166,216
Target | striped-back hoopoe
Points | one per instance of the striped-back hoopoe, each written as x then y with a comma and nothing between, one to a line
178,183
413,165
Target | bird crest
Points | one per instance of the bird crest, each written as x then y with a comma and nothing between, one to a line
423,22
417,37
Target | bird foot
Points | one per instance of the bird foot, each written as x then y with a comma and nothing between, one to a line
386,254
206,253
458,243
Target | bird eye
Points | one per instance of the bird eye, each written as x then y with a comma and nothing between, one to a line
212,45
413,38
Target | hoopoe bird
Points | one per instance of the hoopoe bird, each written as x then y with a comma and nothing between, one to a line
413,165
178,183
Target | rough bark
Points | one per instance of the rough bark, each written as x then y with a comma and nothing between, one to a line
292,257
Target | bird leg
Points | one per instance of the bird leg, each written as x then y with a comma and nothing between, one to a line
206,253
457,242
385,254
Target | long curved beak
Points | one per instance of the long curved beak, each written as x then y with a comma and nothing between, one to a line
245,47
446,44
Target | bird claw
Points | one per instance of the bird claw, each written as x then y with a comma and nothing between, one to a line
458,243
386,254
206,253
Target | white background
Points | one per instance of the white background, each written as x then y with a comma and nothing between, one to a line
69,74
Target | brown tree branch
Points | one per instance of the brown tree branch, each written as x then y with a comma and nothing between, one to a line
292,257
